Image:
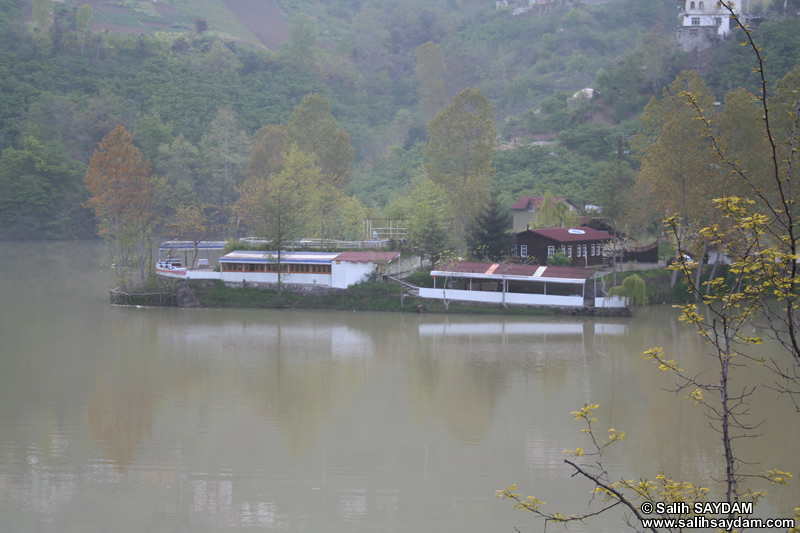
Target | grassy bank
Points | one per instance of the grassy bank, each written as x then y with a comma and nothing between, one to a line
371,296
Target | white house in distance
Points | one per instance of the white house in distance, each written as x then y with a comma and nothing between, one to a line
702,23
325,269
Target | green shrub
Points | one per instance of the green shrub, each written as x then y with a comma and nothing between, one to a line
559,259
634,288
421,278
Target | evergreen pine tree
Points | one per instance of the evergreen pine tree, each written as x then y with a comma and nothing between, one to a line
489,238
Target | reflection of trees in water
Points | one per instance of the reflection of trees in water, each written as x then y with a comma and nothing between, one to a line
299,384
121,408
456,385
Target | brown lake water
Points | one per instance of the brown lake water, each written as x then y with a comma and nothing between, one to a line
206,420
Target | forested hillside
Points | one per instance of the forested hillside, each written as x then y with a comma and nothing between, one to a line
204,100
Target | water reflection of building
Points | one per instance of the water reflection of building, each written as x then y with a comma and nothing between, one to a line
212,495
305,339
523,328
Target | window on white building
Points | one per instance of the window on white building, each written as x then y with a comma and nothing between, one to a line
695,21
700,5
691,5
550,251
523,250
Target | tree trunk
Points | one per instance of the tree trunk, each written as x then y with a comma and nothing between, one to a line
678,252
700,269
713,272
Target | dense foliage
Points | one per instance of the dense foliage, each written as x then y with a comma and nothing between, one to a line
194,94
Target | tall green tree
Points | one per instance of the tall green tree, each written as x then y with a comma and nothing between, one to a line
278,206
151,132
314,130
301,50
426,206
178,163
269,145
458,155
42,11
84,22
226,149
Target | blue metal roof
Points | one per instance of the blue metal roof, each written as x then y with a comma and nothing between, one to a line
189,245
272,257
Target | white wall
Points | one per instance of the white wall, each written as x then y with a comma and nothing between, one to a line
497,297
188,274
345,273
272,277
611,301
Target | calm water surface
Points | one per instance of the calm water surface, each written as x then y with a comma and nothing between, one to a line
133,419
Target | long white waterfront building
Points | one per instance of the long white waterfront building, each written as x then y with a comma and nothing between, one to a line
326,269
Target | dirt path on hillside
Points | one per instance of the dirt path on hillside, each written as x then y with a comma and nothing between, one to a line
263,19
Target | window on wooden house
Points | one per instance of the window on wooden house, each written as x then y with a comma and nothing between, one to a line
523,250
551,250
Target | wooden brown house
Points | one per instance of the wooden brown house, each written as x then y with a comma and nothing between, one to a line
583,245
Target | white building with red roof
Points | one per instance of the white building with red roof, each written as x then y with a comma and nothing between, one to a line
325,269
516,284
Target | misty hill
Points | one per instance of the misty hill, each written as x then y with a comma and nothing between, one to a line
174,66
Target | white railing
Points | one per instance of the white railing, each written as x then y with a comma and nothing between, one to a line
325,243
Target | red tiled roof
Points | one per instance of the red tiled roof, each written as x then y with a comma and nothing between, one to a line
536,201
367,257
571,234
465,266
499,269
568,272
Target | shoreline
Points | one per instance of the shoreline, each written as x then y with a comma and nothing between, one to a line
372,296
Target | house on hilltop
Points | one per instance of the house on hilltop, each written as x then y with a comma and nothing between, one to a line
702,24
525,209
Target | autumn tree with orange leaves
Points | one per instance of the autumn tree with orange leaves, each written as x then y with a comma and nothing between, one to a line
124,201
